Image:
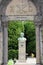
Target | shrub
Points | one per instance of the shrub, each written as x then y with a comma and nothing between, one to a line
12,54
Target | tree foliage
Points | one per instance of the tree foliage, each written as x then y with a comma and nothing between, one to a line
12,54
14,30
30,36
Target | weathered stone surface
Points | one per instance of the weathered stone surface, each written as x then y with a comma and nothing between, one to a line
22,8
1,47
22,48
41,43
5,43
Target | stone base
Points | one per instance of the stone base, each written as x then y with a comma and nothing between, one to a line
38,64
21,64
0,64
29,61
24,64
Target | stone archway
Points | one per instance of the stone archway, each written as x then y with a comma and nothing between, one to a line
21,10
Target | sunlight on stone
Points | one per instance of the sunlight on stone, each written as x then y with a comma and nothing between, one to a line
31,60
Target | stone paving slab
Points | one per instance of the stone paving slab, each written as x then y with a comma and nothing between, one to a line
25,64
29,61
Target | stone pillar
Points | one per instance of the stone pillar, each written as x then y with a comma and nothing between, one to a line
41,42
0,44
5,43
1,48
38,51
22,48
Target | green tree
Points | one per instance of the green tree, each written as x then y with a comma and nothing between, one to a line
29,30
14,30
12,54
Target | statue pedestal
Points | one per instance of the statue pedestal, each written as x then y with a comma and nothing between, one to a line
21,63
22,48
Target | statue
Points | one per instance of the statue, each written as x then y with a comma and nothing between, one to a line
22,34
21,37
22,46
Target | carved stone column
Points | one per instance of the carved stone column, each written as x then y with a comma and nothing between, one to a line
41,42
1,47
38,50
5,42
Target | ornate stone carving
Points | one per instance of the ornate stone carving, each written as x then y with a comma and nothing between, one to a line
38,18
22,7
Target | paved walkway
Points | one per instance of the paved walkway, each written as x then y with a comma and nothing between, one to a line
29,61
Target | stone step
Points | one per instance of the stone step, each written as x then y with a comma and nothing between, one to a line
24,64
